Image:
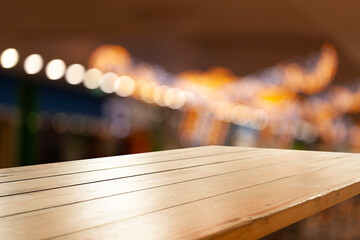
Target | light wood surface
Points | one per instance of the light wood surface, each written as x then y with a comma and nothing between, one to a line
208,192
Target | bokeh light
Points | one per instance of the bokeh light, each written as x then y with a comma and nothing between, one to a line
55,69
126,86
169,97
9,58
179,100
159,95
147,91
75,74
111,58
109,82
254,102
33,64
92,78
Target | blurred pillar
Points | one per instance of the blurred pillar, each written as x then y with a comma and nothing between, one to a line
27,123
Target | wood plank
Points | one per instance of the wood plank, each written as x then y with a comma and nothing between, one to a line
244,214
9,172
40,184
203,207
108,163
16,204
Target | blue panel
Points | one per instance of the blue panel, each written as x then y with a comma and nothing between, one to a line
53,99
60,100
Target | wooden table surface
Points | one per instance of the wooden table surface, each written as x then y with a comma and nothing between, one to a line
209,192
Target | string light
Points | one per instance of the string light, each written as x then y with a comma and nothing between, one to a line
75,74
92,78
109,82
147,92
126,86
179,100
9,58
159,93
169,97
55,69
33,64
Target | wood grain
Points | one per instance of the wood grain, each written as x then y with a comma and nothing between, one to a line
200,193
68,167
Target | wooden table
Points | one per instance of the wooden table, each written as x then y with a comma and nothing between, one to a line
206,192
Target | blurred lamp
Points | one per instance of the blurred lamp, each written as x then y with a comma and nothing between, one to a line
109,82
75,74
126,86
92,78
55,69
9,58
33,64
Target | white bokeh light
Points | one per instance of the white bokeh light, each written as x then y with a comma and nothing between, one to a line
109,82
33,64
92,78
159,93
169,96
75,74
9,58
55,69
180,99
147,92
174,98
126,86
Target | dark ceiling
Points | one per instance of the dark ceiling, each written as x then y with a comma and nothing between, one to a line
180,35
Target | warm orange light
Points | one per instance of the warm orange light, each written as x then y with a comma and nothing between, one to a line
147,92
111,58
214,78
277,95
299,80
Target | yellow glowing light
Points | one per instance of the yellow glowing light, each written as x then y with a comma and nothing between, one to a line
277,95
33,64
75,74
109,82
92,78
159,93
169,97
147,91
179,99
190,97
55,69
299,80
214,78
9,58
110,58
126,86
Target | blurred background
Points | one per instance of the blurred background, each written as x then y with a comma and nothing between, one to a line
85,79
